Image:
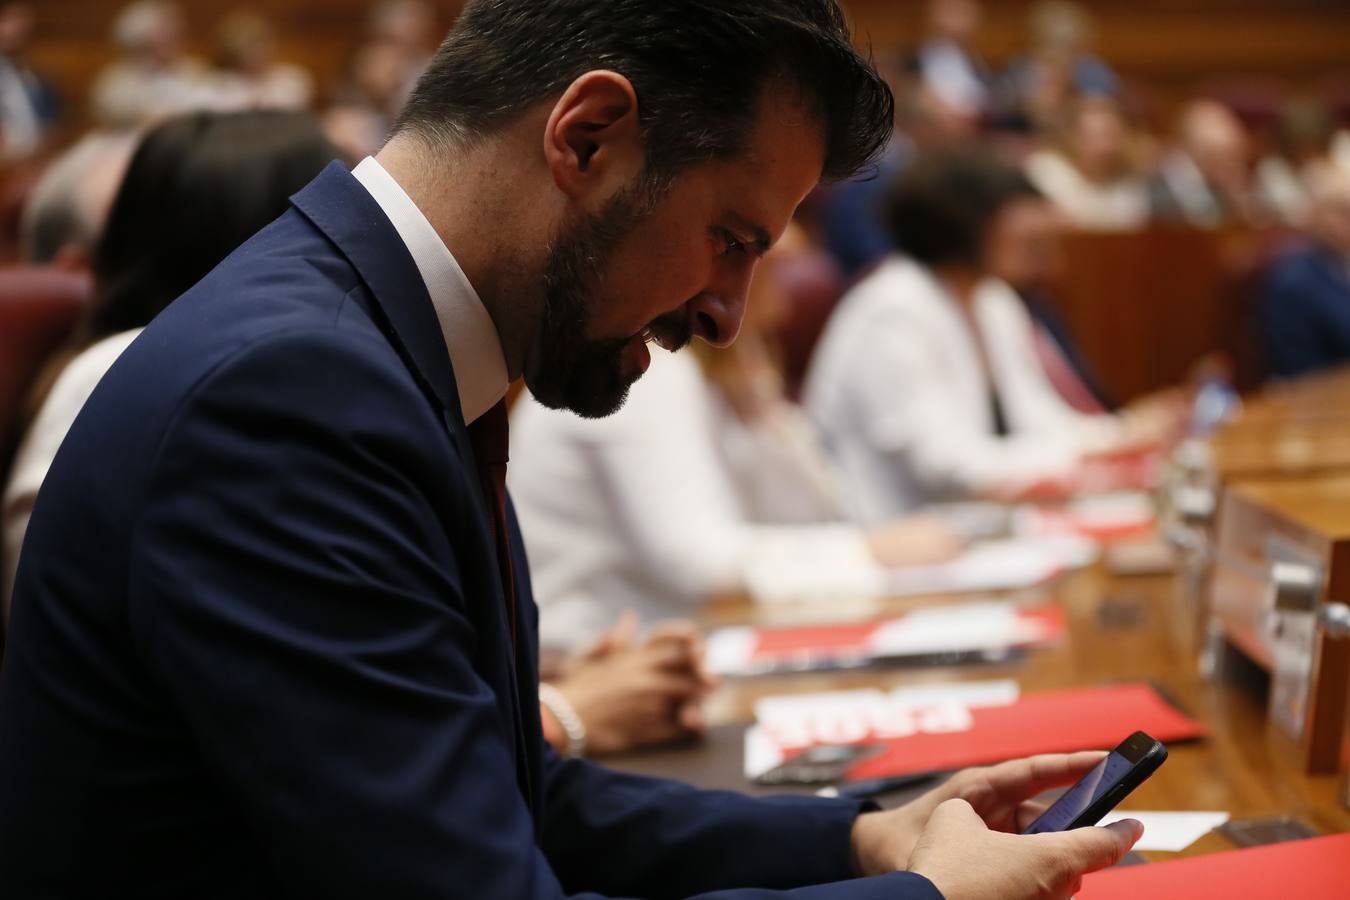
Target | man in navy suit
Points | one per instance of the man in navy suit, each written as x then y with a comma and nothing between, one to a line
273,633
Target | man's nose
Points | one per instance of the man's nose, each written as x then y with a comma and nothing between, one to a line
716,317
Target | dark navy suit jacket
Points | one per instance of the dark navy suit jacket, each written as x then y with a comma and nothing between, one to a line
259,640
1305,311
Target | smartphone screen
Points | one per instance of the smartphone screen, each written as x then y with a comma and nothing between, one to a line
1097,792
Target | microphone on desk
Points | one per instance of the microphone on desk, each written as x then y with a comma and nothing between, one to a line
875,787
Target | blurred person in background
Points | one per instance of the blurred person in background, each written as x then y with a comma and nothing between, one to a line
1305,295
1303,149
1037,89
154,76
927,386
28,105
368,100
408,27
64,215
1088,170
706,472
947,62
1026,252
1340,148
247,74
1206,180
854,227
235,171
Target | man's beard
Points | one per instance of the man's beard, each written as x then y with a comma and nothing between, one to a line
574,372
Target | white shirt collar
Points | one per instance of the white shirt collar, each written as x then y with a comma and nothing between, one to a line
470,337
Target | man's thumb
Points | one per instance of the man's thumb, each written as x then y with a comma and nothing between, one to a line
1100,848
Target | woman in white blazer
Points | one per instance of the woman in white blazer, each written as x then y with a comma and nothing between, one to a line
706,473
926,384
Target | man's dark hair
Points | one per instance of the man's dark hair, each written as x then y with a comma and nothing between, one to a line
699,68
940,208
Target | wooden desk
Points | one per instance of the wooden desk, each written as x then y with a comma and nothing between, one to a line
1289,448
1304,523
1237,768
1296,428
1323,395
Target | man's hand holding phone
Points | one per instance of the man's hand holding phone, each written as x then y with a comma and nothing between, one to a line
965,835
966,860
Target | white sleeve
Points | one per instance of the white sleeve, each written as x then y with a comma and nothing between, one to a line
675,500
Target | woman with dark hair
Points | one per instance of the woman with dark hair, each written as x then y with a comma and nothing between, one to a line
198,186
1089,168
927,386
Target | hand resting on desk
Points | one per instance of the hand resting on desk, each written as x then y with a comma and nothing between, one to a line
632,692
965,836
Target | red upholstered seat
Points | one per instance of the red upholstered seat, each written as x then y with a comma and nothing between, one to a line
814,284
38,309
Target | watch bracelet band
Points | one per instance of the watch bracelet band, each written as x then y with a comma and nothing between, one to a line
567,717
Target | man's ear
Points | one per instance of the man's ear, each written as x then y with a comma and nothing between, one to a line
593,140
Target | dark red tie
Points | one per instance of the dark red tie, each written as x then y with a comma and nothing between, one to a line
490,435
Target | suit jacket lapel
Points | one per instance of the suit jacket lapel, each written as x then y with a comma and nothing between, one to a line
344,211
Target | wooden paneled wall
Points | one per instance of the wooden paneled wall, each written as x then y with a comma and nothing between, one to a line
1146,306
1168,46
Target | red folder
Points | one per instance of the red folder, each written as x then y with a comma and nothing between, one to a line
1314,869
1095,718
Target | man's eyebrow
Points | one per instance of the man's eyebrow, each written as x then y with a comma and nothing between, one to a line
760,239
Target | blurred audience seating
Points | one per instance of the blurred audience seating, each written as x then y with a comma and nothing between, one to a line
1169,51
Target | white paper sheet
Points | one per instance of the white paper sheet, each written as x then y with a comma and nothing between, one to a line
996,565
992,625
1170,830
990,566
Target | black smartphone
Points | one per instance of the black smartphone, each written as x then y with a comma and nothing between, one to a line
821,764
1098,792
